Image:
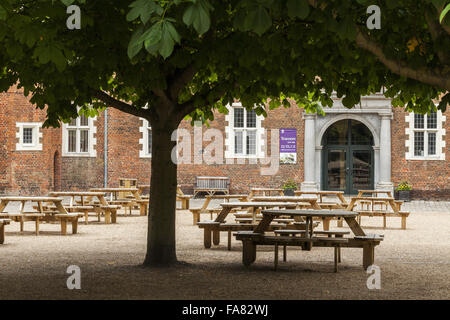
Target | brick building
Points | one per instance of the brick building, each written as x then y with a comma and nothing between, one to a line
370,146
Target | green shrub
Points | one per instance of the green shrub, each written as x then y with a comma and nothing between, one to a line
403,186
289,184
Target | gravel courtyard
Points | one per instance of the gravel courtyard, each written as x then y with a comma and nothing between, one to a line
415,263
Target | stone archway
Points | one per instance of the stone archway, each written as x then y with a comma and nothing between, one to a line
347,157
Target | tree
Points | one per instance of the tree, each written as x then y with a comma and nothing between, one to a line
166,60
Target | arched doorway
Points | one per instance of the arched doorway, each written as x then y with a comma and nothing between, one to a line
347,157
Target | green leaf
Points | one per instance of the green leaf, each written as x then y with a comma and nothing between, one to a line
197,15
144,9
444,13
135,44
152,38
67,2
258,20
298,8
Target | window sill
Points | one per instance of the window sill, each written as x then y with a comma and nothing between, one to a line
427,158
79,155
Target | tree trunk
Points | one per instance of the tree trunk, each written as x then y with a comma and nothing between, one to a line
161,249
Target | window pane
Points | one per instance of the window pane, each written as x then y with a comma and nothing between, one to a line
432,120
84,121
149,150
238,117
84,140
72,143
360,134
432,143
238,145
73,123
337,133
251,119
27,135
418,121
418,143
251,142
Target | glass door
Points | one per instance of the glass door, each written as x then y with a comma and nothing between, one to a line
337,169
361,171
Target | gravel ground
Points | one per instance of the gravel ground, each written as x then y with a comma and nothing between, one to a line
415,264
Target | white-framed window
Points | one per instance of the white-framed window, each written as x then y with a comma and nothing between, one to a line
425,136
79,137
244,133
29,136
146,139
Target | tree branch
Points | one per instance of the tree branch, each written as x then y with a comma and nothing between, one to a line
119,105
424,75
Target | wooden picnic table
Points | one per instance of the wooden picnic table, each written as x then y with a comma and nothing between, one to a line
114,191
60,213
341,204
219,224
265,192
204,208
389,200
87,205
374,192
126,203
309,203
251,239
394,205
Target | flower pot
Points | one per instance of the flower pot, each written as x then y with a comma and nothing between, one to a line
289,192
404,195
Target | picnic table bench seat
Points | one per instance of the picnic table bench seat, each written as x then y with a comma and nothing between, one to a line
367,242
381,213
23,217
71,217
215,227
3,223
197,211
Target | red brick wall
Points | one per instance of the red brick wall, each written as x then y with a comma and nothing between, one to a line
34,172
429,179
245,176
24,172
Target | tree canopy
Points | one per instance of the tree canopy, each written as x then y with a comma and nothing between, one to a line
163,60
246,49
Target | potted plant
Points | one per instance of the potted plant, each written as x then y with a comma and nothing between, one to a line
289,187
404,191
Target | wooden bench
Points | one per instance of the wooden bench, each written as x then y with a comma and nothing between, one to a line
3,223
402,214
23,217
294,232
251,239
84,209
143,206
211,185
215,228
124,204
197,211
71,217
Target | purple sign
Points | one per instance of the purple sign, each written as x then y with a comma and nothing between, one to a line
288,146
